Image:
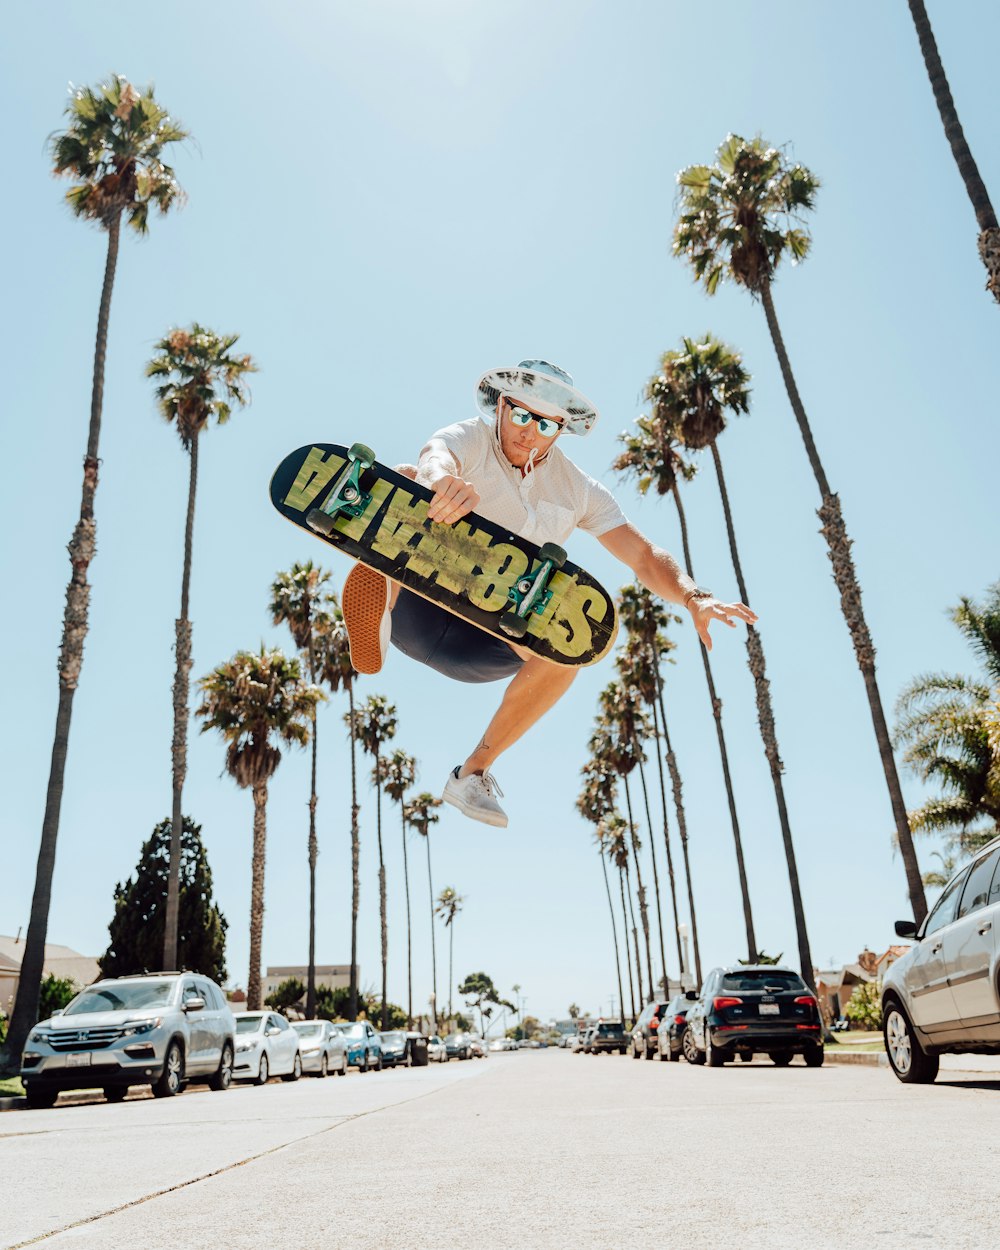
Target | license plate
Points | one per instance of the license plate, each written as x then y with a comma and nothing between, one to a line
79,1059
769,1009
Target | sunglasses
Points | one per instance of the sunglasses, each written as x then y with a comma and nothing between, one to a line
546,426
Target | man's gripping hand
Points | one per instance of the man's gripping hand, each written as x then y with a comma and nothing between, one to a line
453,499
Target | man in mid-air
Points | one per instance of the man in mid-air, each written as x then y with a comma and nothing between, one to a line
508,466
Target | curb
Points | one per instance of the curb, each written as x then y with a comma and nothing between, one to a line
13,1103
870,1058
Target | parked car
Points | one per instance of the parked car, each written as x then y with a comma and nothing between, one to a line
266,1046
942,996
754,1009
395,1049
163,1030
642,1041
673,1021
607,1035
576,1041
437,1051
459,1046
322,1047
477,1046
498,1044
364,1050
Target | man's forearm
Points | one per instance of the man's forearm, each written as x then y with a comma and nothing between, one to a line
660,573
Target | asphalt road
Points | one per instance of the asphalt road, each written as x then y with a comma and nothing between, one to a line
539,1149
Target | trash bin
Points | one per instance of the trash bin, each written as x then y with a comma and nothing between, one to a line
418,1050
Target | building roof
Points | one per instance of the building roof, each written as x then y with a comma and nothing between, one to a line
63,961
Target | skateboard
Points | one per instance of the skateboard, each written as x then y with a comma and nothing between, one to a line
529,595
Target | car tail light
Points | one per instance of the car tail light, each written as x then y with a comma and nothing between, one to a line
730,1028
719,1003
654,1024
806,1000
679,1019
814,1027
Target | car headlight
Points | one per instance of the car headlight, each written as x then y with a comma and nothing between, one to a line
39,1035
141,1026
251,1043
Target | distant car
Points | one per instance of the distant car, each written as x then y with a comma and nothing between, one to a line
606,1036
459,1046
642,1042
364,1050
163,1030
266,1046
395,1049
498,1043
576,1041
753,1009
322,1047
477,1046
437,1051
673,1021
943,995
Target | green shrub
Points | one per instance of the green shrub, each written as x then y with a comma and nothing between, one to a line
865,1007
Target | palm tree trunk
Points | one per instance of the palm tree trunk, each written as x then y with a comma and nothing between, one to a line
666,833
641,889
257,894
628,953
451,964
835,532
717,713
434,975
182,676
355,863
765,718
635,938
656,876
313,856
614,932
409,927
381,897
82,547
989,234
678,793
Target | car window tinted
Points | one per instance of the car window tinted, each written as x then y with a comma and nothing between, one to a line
121,997
761,980
977,885
308,1030
248,1024
944,908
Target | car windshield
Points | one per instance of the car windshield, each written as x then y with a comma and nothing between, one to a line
121,997
393,1037
308,1030
353,1030
610,1028
248,1024
749,982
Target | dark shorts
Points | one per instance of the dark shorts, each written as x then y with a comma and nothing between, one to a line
445,642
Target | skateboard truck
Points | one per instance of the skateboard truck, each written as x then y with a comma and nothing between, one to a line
346,494
530,593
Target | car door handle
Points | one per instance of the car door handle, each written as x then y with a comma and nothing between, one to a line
985,928
935,949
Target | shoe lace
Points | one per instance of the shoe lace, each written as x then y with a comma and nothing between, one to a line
491,784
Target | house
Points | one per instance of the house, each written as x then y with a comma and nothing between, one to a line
60,961
836,985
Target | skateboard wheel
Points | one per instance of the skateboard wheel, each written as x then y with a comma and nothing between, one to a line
512,625
319,521
554,554
358,451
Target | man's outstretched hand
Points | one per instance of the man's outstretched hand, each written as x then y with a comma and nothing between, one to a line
453,499
705,611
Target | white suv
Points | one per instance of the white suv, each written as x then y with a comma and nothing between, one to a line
943,996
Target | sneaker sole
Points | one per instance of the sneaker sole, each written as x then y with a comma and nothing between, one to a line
363,603
497,819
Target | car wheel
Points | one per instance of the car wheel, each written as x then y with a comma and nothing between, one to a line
714,1057
780,1058
907,1058
223,1078
634,1049
621,1050
264,1071
673,1056
324,1066
814,1057
115,1093
38,1097
172,1077
363,1066
378,1064
650,1052
691,1052
296,1071
343,1065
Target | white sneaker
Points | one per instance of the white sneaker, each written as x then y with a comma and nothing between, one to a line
365,605
473,796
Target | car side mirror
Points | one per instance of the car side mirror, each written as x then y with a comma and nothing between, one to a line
194,1004
691,995
273,1031
57,1012
906,929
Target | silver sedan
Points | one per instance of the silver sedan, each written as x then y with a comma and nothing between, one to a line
322,1046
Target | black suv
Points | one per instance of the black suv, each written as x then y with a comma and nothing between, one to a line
645,1029
607,1035
751,1010
673,1022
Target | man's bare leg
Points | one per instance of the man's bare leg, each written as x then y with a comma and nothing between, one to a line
538,686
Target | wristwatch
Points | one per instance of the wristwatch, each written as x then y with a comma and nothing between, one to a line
697,593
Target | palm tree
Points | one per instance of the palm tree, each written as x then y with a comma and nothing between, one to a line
738,219
112,150
420,814
202,379
595,802
945,721
616,849
374,724
333,666
652,455
399,772
692,394
298,601
253,700
989,233
449,904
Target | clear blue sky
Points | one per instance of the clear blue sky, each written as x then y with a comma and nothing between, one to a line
386,200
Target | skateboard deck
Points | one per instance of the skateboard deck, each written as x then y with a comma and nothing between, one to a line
474,568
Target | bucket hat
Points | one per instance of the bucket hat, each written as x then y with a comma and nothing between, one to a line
546,388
